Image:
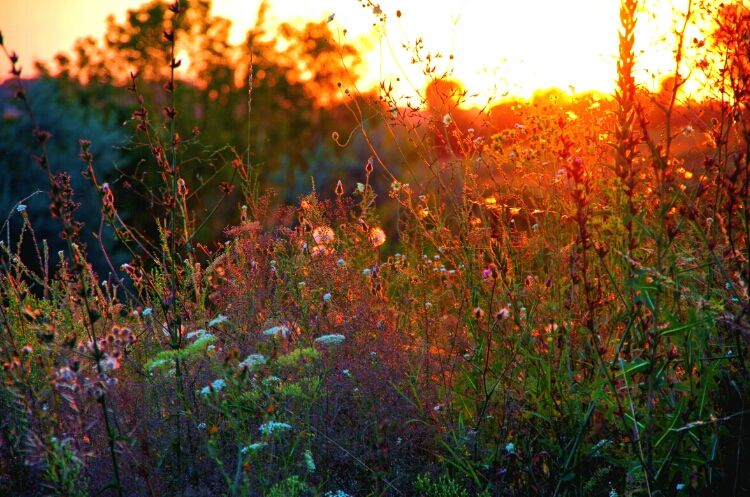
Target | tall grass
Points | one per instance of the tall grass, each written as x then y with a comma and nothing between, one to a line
561,309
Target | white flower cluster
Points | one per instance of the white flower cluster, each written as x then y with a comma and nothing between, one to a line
337,493
275,330
217,385
330,339
274,426
253,360
253,447
218,320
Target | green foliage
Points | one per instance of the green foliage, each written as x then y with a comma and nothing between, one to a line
445,486
291,487
64,470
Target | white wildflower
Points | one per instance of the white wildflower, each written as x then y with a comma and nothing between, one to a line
309,462
330,339
217,320
253,447
274,426
253,360
275,330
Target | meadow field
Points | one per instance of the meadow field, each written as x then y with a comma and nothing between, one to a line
545,297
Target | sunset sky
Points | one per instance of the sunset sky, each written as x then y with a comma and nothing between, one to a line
518,46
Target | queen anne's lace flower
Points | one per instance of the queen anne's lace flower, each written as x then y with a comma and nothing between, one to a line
330,339
273,426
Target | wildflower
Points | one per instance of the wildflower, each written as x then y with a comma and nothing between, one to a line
502,314
688,130
330,339
613,493
199,333
218,319
201,426
345,372
126,267
275,330
274,426
438,408
21,208
377,237
110,363
330,18
319,250
327,297
510,447
366,272
216,385
377,10
680,486
518,126
337,493
478,313
309,461
323,235
27,350
447,119
253,447
341,263
253,360
147,311
372,354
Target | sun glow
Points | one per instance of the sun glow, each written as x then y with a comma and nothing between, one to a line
500,49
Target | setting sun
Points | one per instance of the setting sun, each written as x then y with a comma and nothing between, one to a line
500,49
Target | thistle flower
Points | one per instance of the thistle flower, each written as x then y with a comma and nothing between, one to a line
502,314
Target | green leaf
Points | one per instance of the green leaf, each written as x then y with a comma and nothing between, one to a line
676,329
